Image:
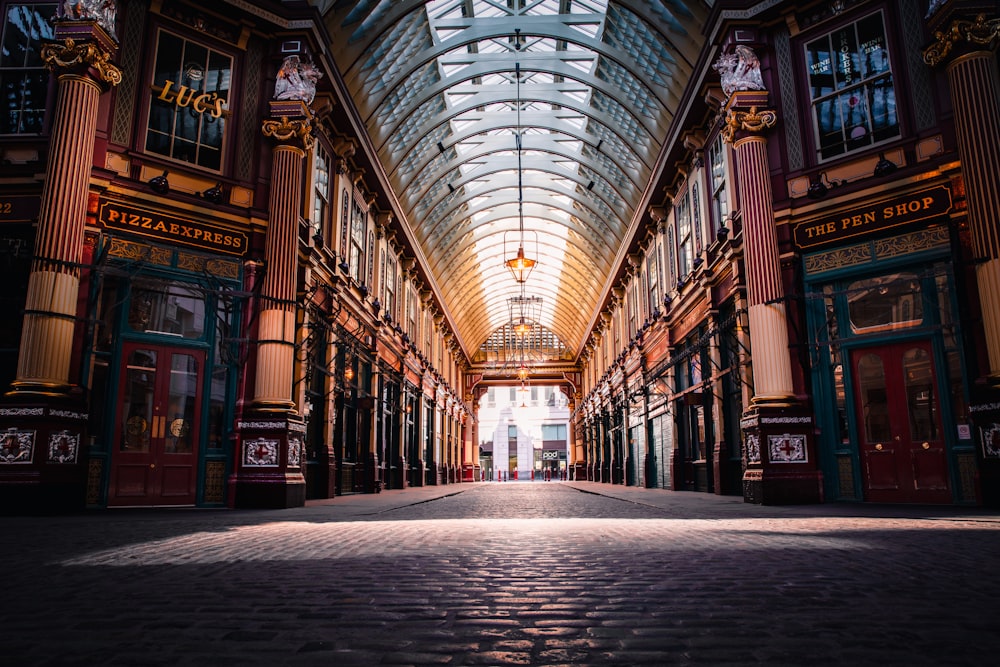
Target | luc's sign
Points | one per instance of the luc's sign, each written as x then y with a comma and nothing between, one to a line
873,217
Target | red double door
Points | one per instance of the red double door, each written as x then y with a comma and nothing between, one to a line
902,445
157,422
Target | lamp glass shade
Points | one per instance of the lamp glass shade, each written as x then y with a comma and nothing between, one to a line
520,266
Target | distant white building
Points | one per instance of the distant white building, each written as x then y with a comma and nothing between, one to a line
524,432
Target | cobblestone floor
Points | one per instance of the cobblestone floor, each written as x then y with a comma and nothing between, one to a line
505,574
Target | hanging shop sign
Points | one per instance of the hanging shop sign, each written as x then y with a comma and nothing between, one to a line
137,220
873,217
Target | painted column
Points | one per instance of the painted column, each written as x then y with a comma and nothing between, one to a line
81,63
270,433
780,464
745,128
966,47
276,351
43,422
965,44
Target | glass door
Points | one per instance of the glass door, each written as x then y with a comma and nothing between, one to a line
154,460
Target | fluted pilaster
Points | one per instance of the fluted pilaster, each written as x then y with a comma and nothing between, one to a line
50,308
276,352
772,372
973,80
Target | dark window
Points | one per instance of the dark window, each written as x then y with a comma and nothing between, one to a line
187,111
851,89
24,79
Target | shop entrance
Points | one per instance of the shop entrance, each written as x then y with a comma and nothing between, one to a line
902,447
157,422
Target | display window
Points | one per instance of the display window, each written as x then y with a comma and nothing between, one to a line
189,106
851,89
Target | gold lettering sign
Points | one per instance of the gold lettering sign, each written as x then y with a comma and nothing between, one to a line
136,220
874,217
183,97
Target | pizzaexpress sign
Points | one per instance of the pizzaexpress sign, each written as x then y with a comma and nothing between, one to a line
874,216
137,220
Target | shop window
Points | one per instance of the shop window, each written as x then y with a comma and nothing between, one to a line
187,111
370,274
554,432
851,89
357,248
652,275
885,303
685,246
24,79
168,308
717,154
321,192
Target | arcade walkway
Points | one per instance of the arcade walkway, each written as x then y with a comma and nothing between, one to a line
574,573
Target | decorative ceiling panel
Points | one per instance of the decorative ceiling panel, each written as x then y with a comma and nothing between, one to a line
507,122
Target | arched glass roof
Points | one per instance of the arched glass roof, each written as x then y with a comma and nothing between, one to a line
490,116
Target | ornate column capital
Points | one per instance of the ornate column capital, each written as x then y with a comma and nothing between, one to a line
751,121
981,32
86,56
288,130
290,123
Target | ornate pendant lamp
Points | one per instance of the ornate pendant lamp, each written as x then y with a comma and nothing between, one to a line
520,266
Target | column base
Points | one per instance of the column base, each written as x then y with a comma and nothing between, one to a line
779,456
986,434
469,472
43,462
268,470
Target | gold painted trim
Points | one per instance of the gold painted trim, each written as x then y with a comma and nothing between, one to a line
979,32
286,130
70,55
752,121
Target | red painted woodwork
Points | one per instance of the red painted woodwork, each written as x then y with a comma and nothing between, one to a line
157,423
903,457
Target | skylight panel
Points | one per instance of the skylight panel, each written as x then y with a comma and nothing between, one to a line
444,9
544,8
587,6
543,45
585,65
588,29
456,99
488,8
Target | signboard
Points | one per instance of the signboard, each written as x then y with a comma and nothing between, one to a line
19,208
873,217
137,220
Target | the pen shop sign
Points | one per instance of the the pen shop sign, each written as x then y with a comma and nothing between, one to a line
873,217
137,220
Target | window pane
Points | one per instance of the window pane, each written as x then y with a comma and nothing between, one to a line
885,303
874,400
23,77
187,111
854,102
167,308
921,399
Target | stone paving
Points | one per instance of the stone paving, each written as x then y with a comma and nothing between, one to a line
505,574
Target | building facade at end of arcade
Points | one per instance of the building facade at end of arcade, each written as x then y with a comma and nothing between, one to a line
209,300
812,310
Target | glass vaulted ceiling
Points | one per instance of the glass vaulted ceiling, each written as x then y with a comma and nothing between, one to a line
465,99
